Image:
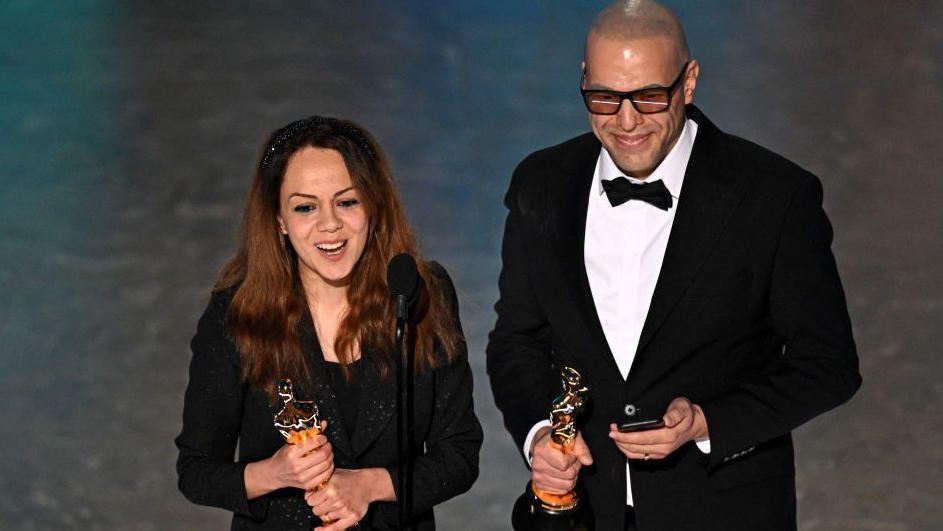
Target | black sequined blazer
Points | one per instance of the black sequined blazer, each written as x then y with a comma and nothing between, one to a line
221,412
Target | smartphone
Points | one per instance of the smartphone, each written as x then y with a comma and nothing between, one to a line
641,425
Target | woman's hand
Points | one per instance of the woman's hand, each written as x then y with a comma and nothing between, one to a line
346,498
304,465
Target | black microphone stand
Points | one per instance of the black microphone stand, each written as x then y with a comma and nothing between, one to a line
404,419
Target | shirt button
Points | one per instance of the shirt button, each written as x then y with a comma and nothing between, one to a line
630,410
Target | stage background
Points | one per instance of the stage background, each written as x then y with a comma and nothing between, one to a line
128,132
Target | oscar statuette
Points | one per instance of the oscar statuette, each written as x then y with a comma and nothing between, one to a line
537,510
298,420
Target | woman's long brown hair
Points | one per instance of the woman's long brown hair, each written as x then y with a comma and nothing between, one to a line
269,302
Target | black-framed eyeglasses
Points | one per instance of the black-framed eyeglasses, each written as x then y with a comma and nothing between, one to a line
646,101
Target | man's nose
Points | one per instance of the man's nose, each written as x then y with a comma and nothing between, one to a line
628,118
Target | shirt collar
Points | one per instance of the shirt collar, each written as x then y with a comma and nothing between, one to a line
671,170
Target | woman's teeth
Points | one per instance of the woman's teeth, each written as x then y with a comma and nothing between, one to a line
331,248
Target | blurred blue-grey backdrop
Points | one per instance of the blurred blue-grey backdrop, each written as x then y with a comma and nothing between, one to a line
128,132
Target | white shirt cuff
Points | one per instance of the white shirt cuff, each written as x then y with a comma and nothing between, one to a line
704,445
530,438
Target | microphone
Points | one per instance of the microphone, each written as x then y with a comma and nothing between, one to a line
404,282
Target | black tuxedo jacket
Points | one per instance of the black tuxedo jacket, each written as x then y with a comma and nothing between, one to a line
748,320
220,410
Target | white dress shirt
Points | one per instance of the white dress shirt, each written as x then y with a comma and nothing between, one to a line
623,250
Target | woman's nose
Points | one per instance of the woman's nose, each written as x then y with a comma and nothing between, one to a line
329,222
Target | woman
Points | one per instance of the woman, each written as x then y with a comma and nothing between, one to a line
305,298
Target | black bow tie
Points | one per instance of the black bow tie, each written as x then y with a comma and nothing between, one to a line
620,190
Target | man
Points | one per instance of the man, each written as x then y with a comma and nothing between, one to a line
687,274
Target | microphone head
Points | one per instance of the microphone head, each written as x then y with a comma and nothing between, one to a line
402,277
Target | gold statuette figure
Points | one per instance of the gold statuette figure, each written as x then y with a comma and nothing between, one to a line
298,420
564,410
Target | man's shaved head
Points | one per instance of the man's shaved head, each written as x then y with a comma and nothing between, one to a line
635,45
638,19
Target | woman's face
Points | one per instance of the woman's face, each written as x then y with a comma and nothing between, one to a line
323,216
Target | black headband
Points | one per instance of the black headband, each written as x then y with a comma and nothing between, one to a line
299,127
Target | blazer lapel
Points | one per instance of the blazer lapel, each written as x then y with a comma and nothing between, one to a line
324,394
376,409
708,197
572,200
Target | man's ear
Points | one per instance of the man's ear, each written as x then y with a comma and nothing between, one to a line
690,81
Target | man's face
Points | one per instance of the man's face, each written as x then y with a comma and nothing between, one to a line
638,142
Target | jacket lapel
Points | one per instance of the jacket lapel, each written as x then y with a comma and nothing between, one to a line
572,200
708,197
377,406
324,394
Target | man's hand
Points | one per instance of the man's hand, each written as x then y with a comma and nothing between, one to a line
553,470
684,422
